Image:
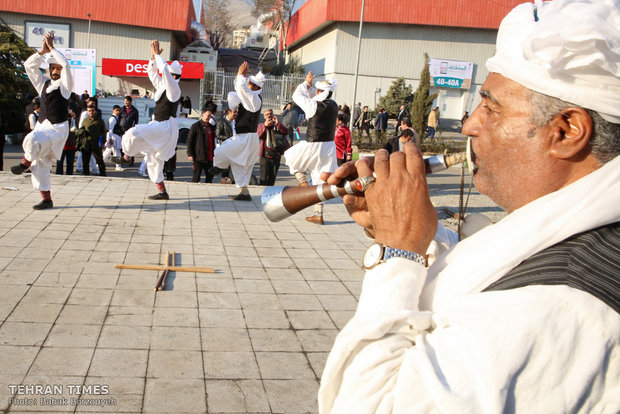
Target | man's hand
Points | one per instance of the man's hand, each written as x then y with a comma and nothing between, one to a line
190,158
244,69
155,49
399,203
309,79
48,44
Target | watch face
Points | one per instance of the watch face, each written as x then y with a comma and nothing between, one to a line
373,255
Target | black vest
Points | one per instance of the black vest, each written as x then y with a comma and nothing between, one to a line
247,121
322,126
164,109
53,106
117,128
587,261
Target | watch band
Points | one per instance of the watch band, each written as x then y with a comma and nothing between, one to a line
390,252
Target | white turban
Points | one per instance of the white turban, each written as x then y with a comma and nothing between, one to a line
175,68
326,85
567,49
258,79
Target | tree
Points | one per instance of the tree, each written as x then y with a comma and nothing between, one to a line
292,67
282,9
398,94
422,102
14,83
216,19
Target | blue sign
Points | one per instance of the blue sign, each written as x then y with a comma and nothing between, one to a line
447,82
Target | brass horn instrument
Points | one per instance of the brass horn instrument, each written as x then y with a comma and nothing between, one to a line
284,201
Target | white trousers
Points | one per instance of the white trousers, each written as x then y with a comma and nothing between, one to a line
43,146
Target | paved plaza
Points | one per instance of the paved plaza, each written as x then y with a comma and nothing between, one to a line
251,337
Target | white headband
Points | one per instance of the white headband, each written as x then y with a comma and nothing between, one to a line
175,68
326,85
567,49
258,79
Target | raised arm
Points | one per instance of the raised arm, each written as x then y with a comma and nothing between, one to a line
250,99
302,97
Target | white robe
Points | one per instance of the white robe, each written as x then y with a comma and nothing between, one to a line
310,157
431,341
44,144
157,139
240,152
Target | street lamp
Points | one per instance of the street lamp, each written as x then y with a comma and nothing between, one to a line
88,14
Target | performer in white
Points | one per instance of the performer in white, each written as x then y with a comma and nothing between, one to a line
159,137
521,316
43,146
114,138
241,151
318,152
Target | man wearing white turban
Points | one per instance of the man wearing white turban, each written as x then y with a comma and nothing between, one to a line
44,144
240,152
158,138
521,316
318,152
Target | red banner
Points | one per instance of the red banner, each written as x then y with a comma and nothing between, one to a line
137,68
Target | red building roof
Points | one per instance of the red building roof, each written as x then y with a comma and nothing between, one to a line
175,15
481,14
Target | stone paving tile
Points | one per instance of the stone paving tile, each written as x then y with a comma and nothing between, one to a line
271,340
317,340
118,363
225,339
236,396
175,364
16,360
175,338
174,396
90,297
120,336
175,317
73,335
58,402
310,320
62,361
265,318
259,301
230,365
35,312
221,318
292,396
5,391
82,314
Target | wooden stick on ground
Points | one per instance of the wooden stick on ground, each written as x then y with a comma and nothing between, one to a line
162,278
171,268
166,272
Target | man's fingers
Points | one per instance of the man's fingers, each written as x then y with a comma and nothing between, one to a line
364,168
398,163
343,172
415,162
382,164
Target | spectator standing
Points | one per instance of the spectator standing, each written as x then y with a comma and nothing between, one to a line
433,120
273,142
129,115
187,105
398,143
363,122
85,95
399,119
113,142
68,151
34,116
342,139
90,135
381,123
357,112
92,101
201,144
224,129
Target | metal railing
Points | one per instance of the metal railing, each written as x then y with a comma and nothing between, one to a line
277,90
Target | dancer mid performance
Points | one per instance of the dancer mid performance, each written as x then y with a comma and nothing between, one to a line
241,151
318,152
44,144
158,138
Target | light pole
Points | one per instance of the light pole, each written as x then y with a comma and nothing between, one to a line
357,63
88,14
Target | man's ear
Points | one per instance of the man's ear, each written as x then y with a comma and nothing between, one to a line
571,131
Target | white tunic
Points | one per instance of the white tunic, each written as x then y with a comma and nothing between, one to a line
431,341
310,157
44,144
157,138
240,152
